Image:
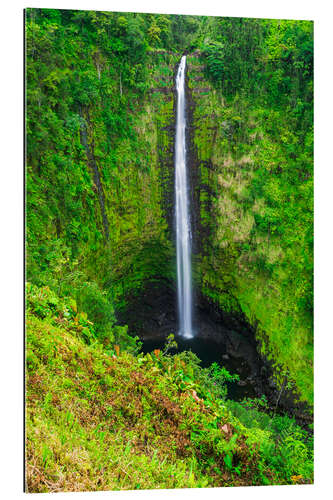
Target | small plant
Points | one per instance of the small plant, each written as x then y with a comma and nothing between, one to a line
170,344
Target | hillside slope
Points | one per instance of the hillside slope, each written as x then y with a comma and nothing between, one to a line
100,417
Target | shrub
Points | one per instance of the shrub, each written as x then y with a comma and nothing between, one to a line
94,302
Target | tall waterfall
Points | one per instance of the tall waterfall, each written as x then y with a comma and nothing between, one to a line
183,229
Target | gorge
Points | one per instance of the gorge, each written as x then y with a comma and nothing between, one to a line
215,342
168,194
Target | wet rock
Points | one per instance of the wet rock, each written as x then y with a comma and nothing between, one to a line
263,371
161,318
234,340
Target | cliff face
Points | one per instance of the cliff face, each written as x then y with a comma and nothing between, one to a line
252,259
138,204
100,190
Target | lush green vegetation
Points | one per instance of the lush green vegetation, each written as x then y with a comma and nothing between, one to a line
259,257
100,118
99,416
95,144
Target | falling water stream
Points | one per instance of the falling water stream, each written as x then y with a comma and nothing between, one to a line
183,229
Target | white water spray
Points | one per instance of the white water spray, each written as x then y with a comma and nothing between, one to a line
183,229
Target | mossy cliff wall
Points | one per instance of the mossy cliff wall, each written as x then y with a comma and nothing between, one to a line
99,176
140,208
244,266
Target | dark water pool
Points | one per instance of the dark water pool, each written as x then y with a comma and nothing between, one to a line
209,352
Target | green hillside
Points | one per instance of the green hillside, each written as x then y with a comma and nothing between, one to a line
103,418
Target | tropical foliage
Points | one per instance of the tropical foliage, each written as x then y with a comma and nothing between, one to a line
104,418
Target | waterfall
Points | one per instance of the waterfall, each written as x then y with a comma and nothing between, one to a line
183,229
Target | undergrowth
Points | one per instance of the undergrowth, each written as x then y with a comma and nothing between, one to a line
101,416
